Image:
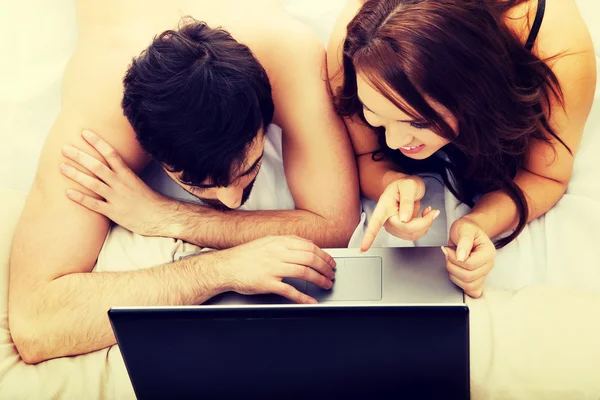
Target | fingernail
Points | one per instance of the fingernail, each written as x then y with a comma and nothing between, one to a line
436,214
403,217
462,255
64,167
312,301
444,251
87,134
70,192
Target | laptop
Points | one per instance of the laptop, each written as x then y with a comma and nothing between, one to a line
393,325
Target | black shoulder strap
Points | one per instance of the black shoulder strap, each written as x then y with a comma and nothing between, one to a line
539,16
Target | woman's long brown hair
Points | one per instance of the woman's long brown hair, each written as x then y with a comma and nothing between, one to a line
460,54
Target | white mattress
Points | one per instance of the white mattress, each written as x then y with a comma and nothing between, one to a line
39,36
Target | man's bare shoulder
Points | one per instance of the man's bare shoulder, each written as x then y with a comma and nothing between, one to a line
92,92
290,36
290,48
338,35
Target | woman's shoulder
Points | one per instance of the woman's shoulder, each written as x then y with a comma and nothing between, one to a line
562,28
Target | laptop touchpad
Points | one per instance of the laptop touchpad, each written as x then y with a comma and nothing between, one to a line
356,279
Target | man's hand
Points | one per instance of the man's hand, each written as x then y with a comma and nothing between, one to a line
258,267
396,211
128,201
473,259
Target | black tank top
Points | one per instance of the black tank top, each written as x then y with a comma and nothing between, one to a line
537,22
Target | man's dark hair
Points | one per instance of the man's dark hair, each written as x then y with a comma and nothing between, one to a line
196,99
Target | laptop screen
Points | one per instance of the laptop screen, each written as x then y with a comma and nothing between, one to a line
295,351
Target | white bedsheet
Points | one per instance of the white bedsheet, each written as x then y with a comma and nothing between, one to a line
38,38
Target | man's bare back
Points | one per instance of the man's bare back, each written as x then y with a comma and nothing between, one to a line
56,307
112,33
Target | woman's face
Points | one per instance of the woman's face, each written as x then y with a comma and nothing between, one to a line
412,137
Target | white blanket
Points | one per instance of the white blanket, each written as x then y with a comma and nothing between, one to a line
537,343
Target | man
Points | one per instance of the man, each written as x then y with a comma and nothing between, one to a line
209,141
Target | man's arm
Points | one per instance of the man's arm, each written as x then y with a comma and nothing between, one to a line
317,156
58,308
216,229
129,202
374,176
55,238
68,315
318,163
317,152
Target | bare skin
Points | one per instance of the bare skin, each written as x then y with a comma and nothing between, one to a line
56,307
544,181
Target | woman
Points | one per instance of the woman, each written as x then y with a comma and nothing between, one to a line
494,92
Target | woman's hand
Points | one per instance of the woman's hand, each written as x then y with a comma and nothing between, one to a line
126,199
397,210
474,256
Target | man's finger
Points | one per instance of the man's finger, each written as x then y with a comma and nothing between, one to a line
291,293
307,274
90,163
85,180
111,156
309,247
313,261
88,202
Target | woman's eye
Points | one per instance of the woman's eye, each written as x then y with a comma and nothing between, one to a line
420,125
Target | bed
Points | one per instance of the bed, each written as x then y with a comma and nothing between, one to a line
533,334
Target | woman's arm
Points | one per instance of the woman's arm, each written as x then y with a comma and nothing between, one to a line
548,170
